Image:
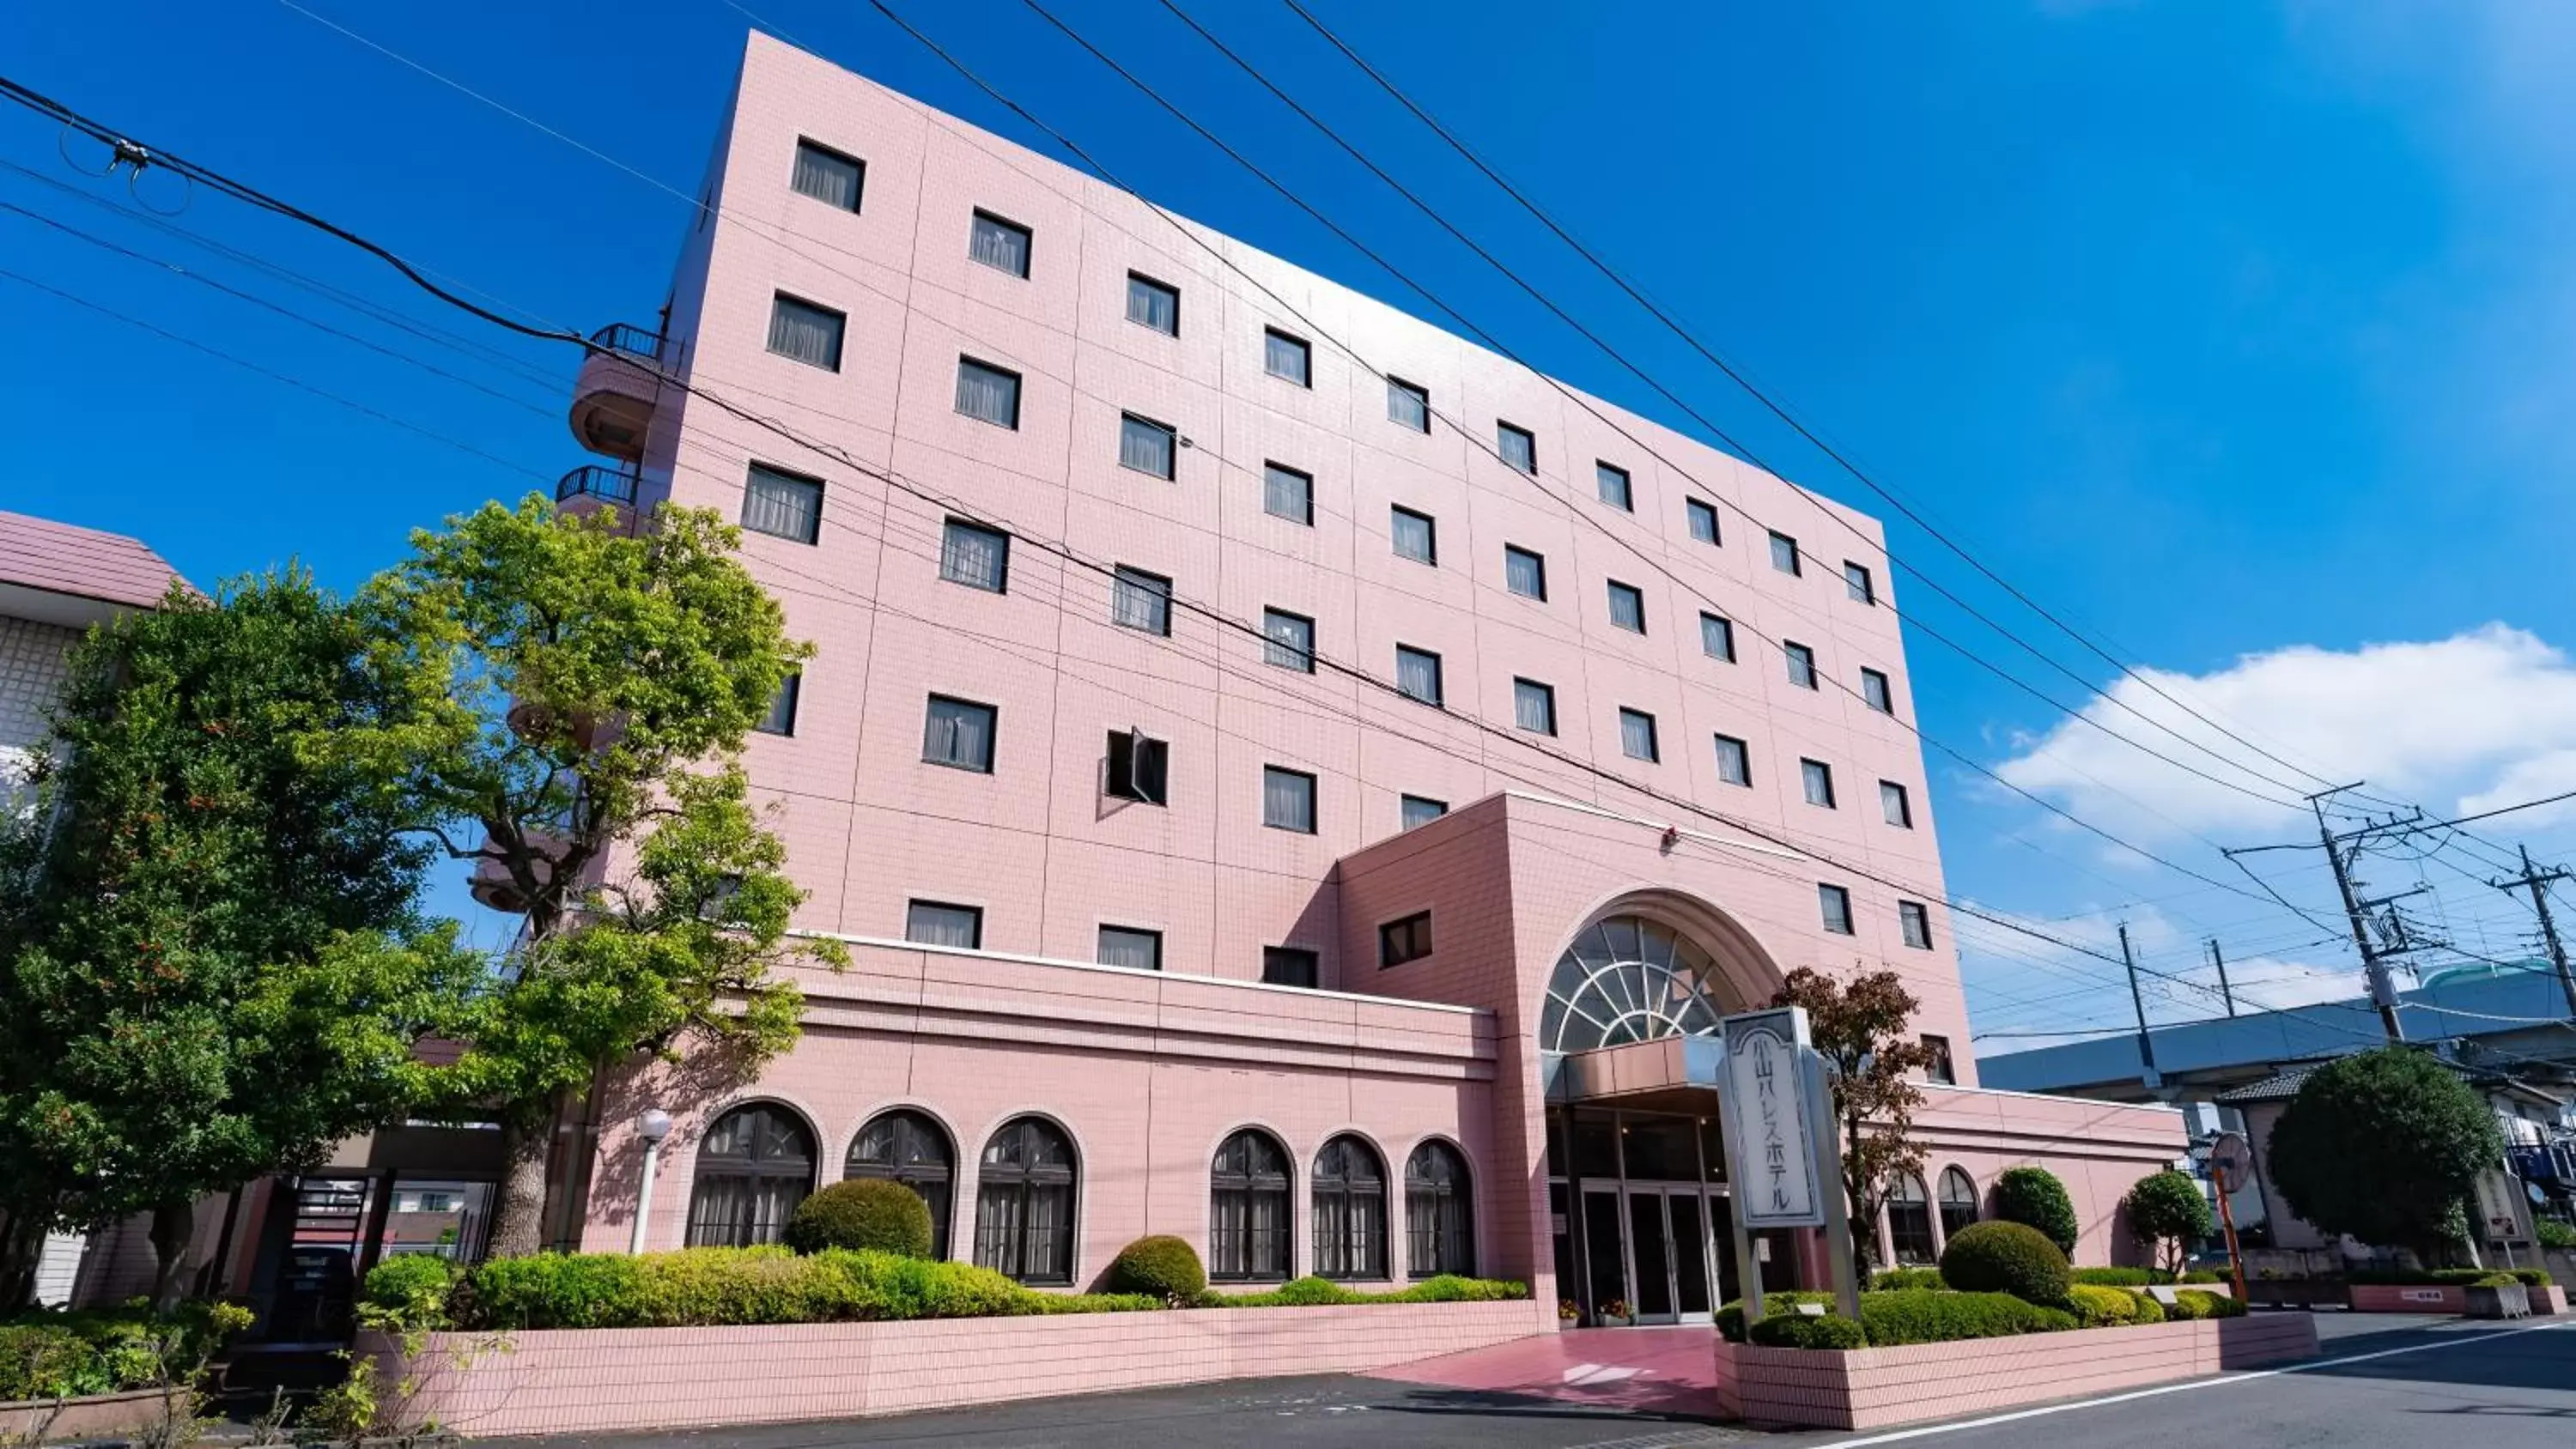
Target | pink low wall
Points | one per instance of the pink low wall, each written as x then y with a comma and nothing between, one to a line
2441,1298
595,1380
1874,1388
96,1416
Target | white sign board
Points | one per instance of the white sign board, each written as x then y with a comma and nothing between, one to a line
1770,1141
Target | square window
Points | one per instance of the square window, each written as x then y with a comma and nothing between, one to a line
1153,304
828,176
1627,607
1893,804
1288,966
1856,582
1287,799
1614,486
989,393
1940,1068
1417,673
1717,637
1287,493
1802,664
1734,761
1416,536
978,557
1406,940
1524,573
1140,768
1141,601
1001,245
1283,356
1146,446
1784,554
936,923
1874,692
959,734
1534,706
1288,640
1836,903
781,718
1519,446
1420,810
1132,947
1703,519
1637,736
803,332
1408,405
1819,779
1917,921
782,505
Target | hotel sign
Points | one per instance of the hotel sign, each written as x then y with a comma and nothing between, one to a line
1771,1141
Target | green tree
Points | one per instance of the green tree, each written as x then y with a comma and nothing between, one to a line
592,687
2384,1146
2033,1197
210,962
1863,1029
2168,1213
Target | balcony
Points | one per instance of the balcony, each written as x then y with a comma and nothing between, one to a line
493,886
591,487
619,384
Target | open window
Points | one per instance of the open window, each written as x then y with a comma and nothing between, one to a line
1139,767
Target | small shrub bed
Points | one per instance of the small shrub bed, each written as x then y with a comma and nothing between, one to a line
1158,1267
49,1354
1908,1315
1317,1292
2141,1277
2193,1303
861,1213
2555,1234
2095,1306
1798,1330
2449,1277
2001,1257
1892,1280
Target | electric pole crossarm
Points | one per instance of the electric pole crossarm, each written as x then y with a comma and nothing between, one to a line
2537,882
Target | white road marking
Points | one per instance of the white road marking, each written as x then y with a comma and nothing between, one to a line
1991,1420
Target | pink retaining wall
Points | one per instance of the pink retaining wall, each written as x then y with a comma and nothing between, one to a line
2440,1298
590,1381
95,1416
1874,1388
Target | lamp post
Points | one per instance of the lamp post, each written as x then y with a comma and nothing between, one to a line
652,1126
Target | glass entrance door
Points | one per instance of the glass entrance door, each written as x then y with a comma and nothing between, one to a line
1669,1255
1650,1250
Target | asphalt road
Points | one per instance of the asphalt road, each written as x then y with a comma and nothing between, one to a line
2411,1382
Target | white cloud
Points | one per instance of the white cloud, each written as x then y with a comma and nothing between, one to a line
2018,984
2480,719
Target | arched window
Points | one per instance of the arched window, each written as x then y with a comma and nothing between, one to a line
1024,1202
910,1149
1626,979
1350,1210
1248,1210
1909,1220
1439,1212
1958,1202
755,1166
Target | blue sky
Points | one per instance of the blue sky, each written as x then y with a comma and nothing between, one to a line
2239,335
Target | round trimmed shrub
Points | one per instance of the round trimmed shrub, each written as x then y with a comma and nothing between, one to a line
864,1212
2149,1310
2001,1257
2096,1306
1799,1330
1161,1266
2034,1197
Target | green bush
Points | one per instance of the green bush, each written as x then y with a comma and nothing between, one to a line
2095,1306
2444,1277
413,1284
2202,1275
1730,1316
1158,1267
1797,1330
2192,1303
47,1354
2003,1257
2149,1310
1922,1315
859,1214
2033,1197
2555,1234
1313,1292
1896,1280
2532,1277
2119,1277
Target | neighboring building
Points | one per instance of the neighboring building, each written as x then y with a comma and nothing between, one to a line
1156,925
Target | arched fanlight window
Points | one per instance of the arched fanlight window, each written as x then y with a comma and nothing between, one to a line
1350,1211
1958,1202
754,1166
1024,1202
907,1147
1627,979
1439,1212
1248,1210
1909,1220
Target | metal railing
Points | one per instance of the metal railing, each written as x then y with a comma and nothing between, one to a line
632,340
595,481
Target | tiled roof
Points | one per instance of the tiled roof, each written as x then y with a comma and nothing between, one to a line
2285,1084
58,558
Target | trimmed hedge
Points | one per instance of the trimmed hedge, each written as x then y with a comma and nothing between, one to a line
1895,1280
1159,1267
2002,1257
49,1354
2142,1277
1923,1315
1797,1330
1730,1316
2193,1303
2034,1197
1316,1292
2532,1277
2095,1306
861,1213
2149,1310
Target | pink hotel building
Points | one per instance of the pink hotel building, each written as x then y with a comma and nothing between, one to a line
1164,920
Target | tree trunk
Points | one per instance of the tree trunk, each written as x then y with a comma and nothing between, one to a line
519,1204
22,1243
174,1226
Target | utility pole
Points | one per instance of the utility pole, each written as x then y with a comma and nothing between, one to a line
2383,993
2537,881
2224,992
2146,1044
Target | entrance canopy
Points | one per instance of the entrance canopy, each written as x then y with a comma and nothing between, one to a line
1668,1074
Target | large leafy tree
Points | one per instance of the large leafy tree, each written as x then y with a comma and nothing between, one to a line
1862,1028
2167,1213
2384,1146
210,962
592,688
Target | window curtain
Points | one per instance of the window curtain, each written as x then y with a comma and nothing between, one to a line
1637,735
960,734
1285,357
785,507
1155,307
827,178
1717,637
1141,601
1519,449
1527,574
1534,707
1001,246
1627,608
1418,674
807,334
1413,536
1136,950
1145,447
1287,494
941,926
1288,800
988,393
1409,406
976,556
1291,642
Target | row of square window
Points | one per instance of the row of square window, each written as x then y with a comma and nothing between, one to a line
811,333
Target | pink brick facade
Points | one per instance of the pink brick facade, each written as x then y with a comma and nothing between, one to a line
1146,1072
